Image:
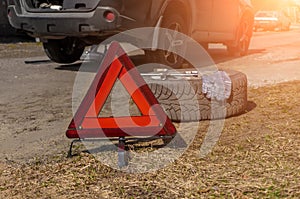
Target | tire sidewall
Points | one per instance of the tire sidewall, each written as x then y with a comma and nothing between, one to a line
56,50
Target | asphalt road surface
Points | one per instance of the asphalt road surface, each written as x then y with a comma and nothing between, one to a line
273,57
36,107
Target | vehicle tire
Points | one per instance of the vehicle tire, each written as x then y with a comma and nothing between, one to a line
170,92
176,22
64,51
241,45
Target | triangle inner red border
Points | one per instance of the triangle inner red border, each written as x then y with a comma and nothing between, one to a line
117,65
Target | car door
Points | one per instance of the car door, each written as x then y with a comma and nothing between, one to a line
225,18
201,11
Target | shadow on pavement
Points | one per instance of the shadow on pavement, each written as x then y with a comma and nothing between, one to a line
39,61
250,106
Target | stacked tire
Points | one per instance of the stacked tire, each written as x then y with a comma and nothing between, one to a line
184,102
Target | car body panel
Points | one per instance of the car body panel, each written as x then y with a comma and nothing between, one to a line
209,20
201,20
225,19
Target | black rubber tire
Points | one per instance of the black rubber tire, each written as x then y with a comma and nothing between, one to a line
169,92
170,20
64,51
239,47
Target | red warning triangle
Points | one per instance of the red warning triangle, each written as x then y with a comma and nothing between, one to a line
86,122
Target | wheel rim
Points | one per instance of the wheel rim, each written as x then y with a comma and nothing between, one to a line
173,43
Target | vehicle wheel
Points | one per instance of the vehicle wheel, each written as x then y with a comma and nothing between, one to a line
169,92
64,51
176,23
241,45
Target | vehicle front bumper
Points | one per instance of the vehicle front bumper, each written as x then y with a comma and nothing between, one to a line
265,24
47,24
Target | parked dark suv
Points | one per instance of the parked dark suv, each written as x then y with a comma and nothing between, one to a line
66,26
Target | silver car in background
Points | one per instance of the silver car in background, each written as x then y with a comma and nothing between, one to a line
271,20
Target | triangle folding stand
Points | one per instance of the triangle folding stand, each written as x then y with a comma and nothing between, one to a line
87,124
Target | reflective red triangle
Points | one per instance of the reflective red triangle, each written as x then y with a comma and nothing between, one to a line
117,65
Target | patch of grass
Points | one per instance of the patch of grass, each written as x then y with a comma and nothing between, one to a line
257,156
